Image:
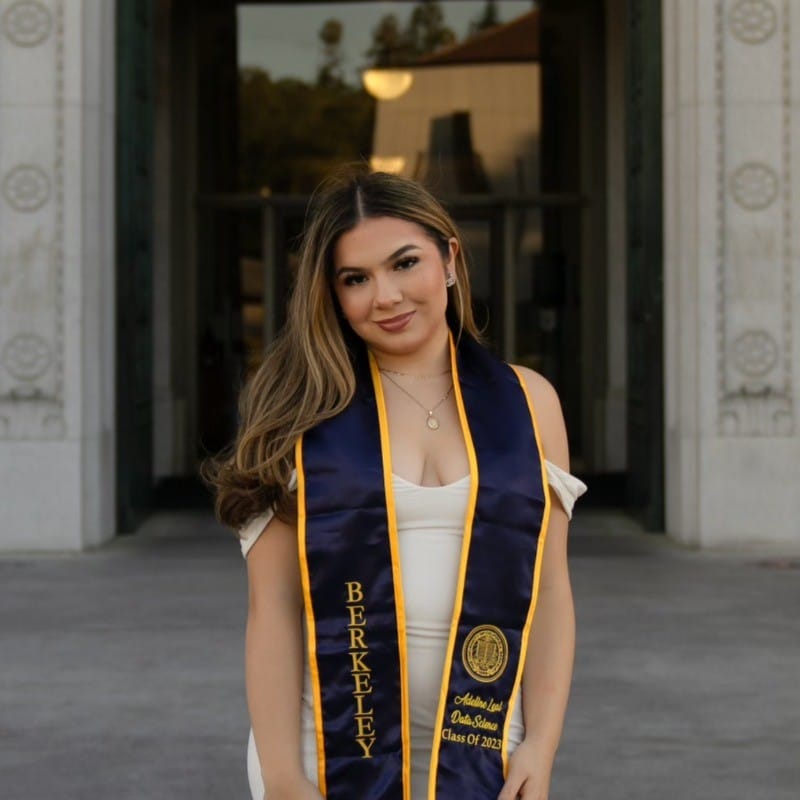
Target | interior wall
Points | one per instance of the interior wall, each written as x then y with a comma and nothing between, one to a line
613,457
174,293
183,210
164,394
598,33
594,285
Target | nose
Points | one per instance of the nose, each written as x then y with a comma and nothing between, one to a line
387,291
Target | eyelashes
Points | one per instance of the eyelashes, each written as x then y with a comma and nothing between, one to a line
356,278
406,263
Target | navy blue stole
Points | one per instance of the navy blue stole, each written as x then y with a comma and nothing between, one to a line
353,593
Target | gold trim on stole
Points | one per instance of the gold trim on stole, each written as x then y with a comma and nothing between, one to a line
536,569
394,546
462,571
398,586
311,628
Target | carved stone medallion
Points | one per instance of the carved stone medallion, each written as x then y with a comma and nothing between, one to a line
755,353
753,21
754,186
26,187
27,356
27,23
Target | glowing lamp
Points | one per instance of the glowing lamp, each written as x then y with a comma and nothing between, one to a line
387,84
393,164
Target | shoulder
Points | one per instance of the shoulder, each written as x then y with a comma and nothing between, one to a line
542,393
549,417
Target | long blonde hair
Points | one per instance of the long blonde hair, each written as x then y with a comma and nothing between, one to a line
307,375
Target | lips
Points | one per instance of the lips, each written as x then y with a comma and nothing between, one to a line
394,324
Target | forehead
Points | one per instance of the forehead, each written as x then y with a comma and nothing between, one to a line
374,239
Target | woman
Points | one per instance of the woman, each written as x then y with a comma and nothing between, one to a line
389,483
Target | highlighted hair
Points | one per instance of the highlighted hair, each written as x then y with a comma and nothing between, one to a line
307,374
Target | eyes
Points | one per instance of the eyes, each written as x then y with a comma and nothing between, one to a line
406,263
358,278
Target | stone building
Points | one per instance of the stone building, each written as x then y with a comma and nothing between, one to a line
673,128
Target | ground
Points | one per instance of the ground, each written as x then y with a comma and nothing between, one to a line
121,670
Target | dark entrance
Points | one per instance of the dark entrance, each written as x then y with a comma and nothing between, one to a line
134,273
532,226
645,266
231,247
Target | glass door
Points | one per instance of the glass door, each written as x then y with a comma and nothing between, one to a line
452,94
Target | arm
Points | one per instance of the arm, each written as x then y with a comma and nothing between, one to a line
547,673
274,661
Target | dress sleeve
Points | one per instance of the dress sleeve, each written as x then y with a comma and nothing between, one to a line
249,533
566,486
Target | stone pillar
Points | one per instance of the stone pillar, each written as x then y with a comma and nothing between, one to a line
56,273
732,270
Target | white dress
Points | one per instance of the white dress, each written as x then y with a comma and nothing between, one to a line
430,523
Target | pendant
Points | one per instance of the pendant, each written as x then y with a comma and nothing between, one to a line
432,422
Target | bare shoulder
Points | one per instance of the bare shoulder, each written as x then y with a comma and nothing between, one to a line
549,417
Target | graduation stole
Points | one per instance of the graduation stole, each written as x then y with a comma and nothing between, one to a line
353,593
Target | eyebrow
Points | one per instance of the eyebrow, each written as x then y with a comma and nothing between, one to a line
397,253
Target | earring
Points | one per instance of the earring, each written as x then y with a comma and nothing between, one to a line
451,280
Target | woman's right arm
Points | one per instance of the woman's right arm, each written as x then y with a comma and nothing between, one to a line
274,661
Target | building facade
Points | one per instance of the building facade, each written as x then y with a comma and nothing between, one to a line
116,363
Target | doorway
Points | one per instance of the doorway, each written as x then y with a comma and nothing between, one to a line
540,199
519,191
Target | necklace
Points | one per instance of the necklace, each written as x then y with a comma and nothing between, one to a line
412,375
432,422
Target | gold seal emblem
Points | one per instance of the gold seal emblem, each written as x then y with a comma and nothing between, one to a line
485,653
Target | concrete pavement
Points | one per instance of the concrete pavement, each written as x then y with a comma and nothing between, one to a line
121,670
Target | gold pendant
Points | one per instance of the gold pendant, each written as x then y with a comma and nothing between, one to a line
432,422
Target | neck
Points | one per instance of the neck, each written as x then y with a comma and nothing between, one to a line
432,358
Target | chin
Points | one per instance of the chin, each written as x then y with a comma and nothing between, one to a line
405,343
394,345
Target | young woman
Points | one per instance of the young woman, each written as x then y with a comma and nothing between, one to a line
402,499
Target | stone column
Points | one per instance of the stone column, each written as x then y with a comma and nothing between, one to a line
57,90
732,270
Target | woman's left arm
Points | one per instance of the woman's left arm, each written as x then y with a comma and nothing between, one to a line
547,673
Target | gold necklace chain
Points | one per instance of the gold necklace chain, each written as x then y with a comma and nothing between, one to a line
412,375
432,422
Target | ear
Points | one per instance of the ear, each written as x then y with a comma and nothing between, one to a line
451,261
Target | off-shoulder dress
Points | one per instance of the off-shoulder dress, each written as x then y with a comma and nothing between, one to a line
430,523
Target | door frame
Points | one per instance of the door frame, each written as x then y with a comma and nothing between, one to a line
645,267
134,262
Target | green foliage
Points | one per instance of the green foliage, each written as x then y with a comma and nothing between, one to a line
330,35
489,18
425,32
390,46
293,133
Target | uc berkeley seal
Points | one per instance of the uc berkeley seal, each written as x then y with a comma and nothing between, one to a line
485,653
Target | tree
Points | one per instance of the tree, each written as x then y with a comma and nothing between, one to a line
281,144
424,33
389,44
330,73
426,30
489,18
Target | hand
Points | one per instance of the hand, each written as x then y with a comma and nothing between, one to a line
529,771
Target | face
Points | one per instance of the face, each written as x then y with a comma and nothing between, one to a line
389,278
